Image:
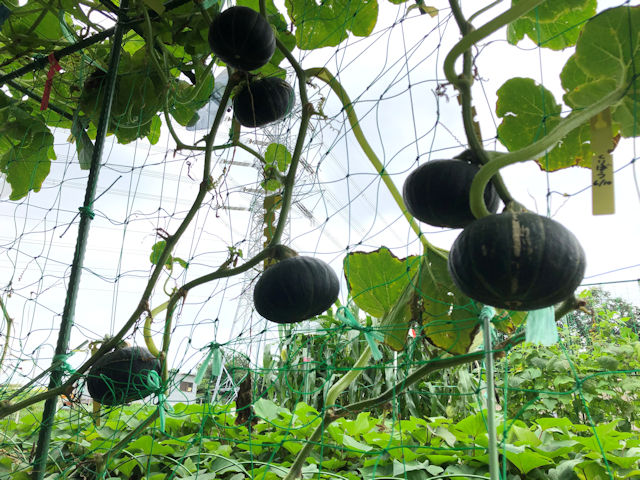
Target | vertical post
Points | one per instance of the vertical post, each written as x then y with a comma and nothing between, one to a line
44,437
486,314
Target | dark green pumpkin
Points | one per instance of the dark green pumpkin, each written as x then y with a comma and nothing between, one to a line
263,101
437,193
295,289
122,376
517,261
242,38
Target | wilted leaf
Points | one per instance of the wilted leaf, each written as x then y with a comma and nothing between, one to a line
449,318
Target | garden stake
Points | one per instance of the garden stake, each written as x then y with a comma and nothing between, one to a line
44,437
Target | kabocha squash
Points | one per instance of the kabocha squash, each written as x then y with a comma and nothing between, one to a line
263,101
242,38
437,193
517,261
122,376
295,289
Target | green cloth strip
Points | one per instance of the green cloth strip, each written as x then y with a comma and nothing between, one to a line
215,357
370,335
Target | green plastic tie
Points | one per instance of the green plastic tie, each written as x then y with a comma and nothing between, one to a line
215,357
370,335
541,327
154,382
64,365
87,211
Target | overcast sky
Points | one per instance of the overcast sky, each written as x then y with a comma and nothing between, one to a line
340,203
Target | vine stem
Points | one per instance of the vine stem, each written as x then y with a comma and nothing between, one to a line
272,247
574,120
484,31
146,330
8,334
473,134
325,75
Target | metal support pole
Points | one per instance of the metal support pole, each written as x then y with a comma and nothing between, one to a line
44,437
486,315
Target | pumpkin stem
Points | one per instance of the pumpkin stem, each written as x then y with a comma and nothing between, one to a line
514,207
281,252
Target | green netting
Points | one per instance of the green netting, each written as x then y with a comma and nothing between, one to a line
393,380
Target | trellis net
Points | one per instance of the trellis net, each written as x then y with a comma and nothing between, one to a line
389,382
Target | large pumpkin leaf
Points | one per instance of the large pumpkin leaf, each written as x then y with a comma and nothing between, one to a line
555,24
377,279
26,147
528,112
327,24
139,95
607,56
449,318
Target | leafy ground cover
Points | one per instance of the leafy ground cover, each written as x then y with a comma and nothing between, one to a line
203,442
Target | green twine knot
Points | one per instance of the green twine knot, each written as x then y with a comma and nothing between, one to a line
370,335
87,211
63,364
154,384
215,357
487,312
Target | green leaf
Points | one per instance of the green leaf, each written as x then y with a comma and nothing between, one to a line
350,442
376,279
267,409
156,251
148,445
591,470
607,54
526,460
84,145
26,147
277,156
328,24
525,436
188,99
472,427
555,24
622,462
154,130
528,113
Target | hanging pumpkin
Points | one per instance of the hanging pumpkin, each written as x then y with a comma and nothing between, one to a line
437,193
263,101
517,261
122,376
242,38
295,289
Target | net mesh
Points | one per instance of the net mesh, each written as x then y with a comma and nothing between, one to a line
240,397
